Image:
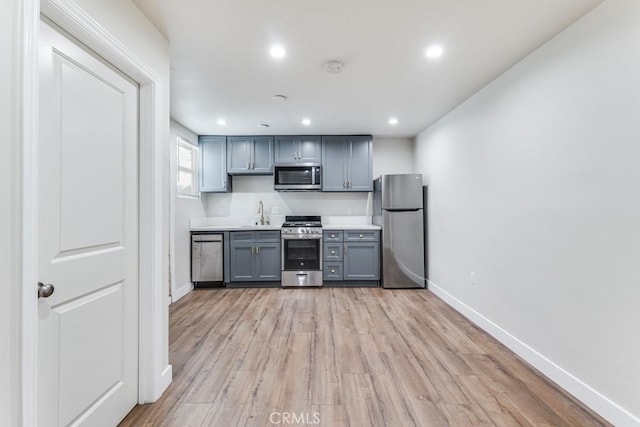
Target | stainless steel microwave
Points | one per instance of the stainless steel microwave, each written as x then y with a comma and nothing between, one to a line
297,177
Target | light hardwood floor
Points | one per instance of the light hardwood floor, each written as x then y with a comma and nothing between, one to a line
344,357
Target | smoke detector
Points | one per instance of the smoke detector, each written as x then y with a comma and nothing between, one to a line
333,66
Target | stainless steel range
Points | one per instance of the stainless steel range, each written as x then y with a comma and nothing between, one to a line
302,251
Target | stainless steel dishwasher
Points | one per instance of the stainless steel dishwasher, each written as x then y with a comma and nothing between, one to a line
206,259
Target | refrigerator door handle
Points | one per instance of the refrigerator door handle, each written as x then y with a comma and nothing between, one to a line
402,210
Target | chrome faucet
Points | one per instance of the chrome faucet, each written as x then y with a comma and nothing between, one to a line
261,212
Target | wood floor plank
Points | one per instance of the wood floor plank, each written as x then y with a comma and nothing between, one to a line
234,393
359,400
188,415
395,407
332,416
348,356
489,401
218,363
294,378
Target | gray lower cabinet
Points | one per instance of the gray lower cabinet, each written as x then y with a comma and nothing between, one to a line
250,155
351,257
333,251
361,261
254,256
213,164
268,265
242,261
332,271
347,163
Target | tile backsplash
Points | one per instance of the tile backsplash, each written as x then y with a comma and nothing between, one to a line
249,190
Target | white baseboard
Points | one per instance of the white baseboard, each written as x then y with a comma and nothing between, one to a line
181,291
599,403
164,381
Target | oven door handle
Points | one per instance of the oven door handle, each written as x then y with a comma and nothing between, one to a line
303,237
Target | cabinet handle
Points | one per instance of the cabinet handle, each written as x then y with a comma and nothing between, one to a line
333,271
252,250
345,249
348,184
344,184
333,252
333,236
248,164
257,250
361,236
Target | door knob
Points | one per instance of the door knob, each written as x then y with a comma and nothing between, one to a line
45,291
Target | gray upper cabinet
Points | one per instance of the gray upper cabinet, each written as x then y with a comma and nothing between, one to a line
250,155
298,149
347,163
360,163
213,164
333,163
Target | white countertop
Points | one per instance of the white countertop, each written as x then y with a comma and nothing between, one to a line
235,227
351,227
347,222
235,223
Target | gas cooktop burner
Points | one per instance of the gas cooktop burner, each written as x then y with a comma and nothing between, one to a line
302,221
302,224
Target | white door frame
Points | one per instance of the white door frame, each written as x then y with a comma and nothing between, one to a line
153,376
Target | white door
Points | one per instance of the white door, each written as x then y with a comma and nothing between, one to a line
87,237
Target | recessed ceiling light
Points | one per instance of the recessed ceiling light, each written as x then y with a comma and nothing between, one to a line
334,66
434,51
306,122
393,121
277,51
263,125
279,97
221,122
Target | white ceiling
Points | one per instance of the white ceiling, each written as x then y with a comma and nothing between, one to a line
221,68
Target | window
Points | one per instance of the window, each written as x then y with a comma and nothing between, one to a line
187,169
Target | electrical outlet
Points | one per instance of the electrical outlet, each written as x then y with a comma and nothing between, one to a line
275,210
472,278
220,211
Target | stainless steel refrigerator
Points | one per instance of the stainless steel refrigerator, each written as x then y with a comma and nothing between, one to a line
398,207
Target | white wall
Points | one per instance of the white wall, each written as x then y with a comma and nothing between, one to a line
183,210
534,187
9,143
390,155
